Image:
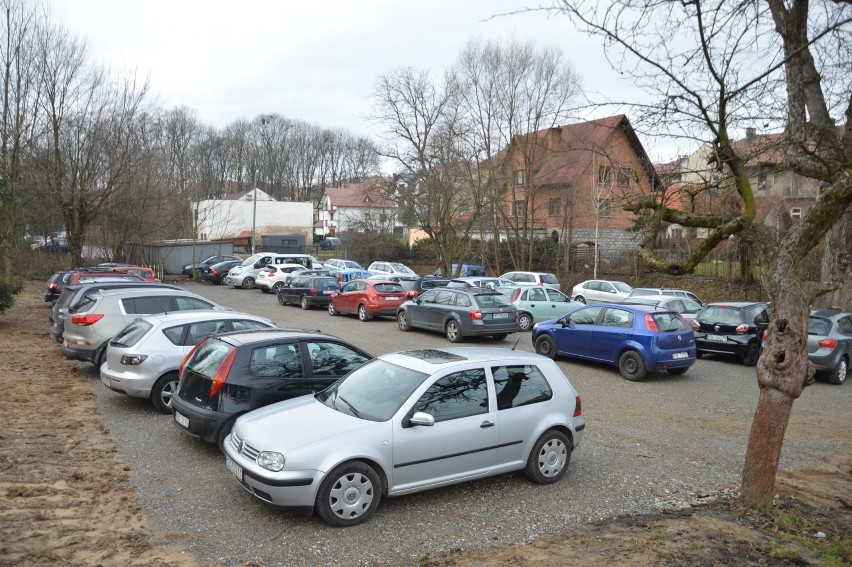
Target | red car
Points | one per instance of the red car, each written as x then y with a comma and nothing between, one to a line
367,298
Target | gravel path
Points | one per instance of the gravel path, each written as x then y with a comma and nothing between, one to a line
648,445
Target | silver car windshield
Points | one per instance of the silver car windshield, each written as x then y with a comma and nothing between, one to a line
375,391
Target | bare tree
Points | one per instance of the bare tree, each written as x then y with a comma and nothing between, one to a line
508,91
709,68
425,138
20,26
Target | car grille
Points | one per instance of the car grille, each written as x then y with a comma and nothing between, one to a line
243,448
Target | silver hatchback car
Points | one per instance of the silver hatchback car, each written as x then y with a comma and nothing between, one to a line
407,422
143,359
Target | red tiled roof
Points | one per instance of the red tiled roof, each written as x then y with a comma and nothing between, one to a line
361,195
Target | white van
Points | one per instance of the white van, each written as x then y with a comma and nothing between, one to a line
245,274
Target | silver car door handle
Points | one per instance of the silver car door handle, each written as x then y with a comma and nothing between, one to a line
486,425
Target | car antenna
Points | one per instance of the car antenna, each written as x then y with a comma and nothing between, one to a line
516,343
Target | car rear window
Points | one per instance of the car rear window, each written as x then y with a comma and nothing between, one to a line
722,314
818,326
389,288
131,334
208,357
669,322
492,300
549,279
326,283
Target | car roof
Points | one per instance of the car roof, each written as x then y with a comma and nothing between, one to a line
146,291
123,284
828,313
197,315
738,304
251,336
431,359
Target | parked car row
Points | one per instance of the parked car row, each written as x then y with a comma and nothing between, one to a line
310,422
101,272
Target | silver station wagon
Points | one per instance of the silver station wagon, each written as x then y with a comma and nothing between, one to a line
407,422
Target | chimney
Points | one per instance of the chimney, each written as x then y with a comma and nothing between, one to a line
751,133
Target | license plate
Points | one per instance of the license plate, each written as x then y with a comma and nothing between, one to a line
234,468
391,298
328,292
680,355
182,419
501,316
717,338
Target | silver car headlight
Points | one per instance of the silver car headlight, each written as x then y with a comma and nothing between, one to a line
271,460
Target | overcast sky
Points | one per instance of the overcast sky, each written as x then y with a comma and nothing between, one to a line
316,61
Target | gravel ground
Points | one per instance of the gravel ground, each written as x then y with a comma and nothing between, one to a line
648,445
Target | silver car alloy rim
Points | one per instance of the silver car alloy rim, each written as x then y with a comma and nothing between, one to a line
351,496
169,389
552,457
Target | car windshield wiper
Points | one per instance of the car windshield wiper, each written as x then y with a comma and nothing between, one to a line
351,407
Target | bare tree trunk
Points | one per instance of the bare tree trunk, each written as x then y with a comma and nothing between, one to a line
766,439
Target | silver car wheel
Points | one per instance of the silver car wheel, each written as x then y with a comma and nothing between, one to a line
552,458
525,322
349,494
453,332
839,374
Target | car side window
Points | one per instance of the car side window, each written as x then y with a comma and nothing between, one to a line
761,317
190,303
333,359
607,287
445,298
845,325
175,334
461,394
555,296
536,294
676,305
520,386
618,318
462,300
202,329
278,361
586,316
146,305
429,296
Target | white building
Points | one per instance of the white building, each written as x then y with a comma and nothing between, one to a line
229,218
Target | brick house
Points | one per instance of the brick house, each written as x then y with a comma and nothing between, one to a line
781,196
570,183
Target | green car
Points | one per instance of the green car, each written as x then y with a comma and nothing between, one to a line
536,303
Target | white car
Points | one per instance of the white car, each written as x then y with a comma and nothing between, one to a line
338,264
273,278
600,291
407,422
391,269
545,279
142,360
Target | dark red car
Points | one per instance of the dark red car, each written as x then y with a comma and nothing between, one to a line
367,298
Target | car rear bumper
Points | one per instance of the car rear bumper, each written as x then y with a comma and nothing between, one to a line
490,329
203,423
736,345
86,353
826,362
130,383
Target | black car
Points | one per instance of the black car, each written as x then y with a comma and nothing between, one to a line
308,291
56,284
187,270
216,273
227,375
732,328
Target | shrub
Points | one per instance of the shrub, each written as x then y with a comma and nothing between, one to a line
9,288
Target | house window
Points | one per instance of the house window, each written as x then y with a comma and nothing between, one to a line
796,213
604,175
624,176
555,208
519,177
519,208
603,209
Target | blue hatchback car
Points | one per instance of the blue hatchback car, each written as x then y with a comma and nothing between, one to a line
636,338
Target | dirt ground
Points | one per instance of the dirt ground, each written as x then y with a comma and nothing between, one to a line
66,499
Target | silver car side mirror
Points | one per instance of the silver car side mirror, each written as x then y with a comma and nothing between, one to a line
422,418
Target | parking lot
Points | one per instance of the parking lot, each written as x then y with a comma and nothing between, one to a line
647,444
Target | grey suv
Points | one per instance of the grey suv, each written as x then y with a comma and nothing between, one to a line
99,316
